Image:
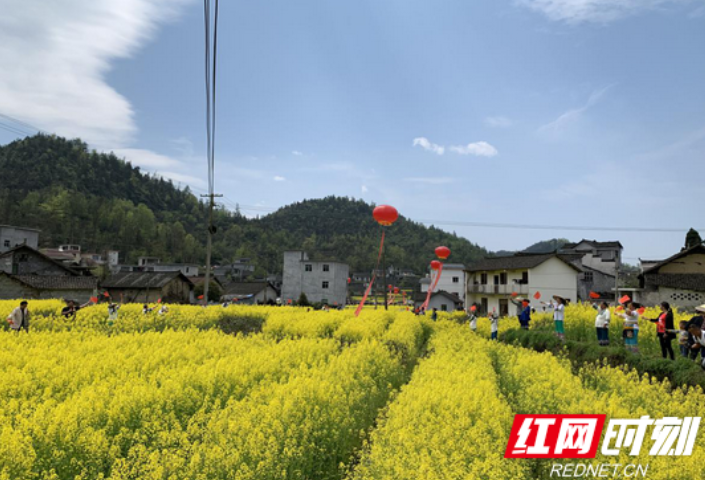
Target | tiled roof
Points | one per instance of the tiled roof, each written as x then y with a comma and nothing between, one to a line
594,243
19,248
697,248
245,288
57,282
681,281
129,280
520,262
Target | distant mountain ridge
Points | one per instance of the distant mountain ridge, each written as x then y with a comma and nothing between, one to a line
545,246
102,202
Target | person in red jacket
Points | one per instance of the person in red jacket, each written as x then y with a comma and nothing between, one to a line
664,330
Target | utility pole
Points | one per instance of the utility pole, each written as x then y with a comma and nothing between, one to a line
209,246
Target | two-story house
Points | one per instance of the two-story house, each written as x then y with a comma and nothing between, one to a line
600,263
321,281
452,280
494,282
679,280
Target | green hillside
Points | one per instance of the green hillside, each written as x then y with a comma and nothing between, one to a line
101,202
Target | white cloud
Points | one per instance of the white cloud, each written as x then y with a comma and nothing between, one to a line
573,115
279,179
498,122
478,149
296,153
57,55
430,180
147,158
595,11
364,189
428,146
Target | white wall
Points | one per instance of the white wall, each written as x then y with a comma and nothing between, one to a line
553,277
445,283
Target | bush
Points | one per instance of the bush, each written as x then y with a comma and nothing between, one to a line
680,372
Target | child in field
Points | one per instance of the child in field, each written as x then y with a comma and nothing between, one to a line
683,337
163,310
146,309
631,327
525,315
494,324
602,324
473,318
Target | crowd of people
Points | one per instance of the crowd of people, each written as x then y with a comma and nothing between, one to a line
690,334
18,319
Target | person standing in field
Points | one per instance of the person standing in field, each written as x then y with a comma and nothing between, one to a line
695,329
693,345
113,309
602,324
19,318
683,337
70,310
631,328
494,324
434,315
473,318
558,315
664,329
525,315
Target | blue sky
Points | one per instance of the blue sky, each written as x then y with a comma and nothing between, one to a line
558,112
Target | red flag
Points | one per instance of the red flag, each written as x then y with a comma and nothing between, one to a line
160,300
200,297
537,295
619,308
473,308
515,294
106,294
625,299
94,299
642,310
289,301
594,295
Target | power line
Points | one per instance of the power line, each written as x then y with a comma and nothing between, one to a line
20,122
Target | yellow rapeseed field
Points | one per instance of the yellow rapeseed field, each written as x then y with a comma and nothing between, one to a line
306,395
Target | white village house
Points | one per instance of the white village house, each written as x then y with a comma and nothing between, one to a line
321,281
494,282
452,281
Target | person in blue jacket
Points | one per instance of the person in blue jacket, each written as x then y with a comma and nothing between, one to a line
525,315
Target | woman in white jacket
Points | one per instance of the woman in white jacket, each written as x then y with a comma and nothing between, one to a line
602,324
19,318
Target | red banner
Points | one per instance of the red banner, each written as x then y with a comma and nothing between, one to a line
433,285
374,276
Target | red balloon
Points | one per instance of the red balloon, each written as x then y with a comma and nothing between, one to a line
435,265
443,252
385,215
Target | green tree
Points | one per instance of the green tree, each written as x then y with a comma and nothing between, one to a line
692,238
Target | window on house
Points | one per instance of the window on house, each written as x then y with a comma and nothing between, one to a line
456,279
325,285
525,278
7,243
23,258
503,278
444,308
483,279
496,279
588,276
326,268
309,268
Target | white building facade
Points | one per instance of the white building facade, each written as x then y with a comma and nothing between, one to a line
11,237
493,283
452,280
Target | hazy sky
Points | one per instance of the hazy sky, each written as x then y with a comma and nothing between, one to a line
554,112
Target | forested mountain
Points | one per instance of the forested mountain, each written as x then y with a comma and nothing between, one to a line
545,246
101,202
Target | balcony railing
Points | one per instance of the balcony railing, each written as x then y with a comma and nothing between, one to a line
520,289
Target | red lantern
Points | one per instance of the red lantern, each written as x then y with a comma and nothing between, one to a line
349,280
443,252
435,265
385,215
389,286
396,290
